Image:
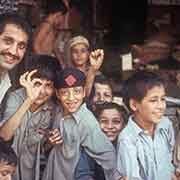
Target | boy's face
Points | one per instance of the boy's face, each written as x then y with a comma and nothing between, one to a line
151,108
13,44
111,123
6,170
47,90
71,98
103,93
80,54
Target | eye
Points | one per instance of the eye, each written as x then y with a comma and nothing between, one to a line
22,45
63,92
37,84
8,40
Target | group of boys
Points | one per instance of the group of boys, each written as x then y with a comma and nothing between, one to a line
36,123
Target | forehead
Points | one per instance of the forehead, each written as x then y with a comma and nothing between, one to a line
79,46
155,91
71,88
15,32
110,113
102,87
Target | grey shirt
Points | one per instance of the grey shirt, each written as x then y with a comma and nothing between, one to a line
27,141
80,130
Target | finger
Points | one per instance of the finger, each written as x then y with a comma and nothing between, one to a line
29,76
36,80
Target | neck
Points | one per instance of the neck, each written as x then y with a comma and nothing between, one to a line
82,68
148,126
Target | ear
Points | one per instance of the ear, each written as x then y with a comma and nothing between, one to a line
57,93
133,104
84,92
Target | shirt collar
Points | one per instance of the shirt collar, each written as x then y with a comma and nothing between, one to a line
81,112
138,130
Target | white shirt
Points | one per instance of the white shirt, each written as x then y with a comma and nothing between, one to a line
5,84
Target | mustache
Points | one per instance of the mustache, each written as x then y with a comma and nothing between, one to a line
9,54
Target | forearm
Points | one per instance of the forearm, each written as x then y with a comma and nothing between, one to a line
8,129
91,74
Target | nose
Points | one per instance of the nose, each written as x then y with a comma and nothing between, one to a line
70,95
109,125
161,104
101,98
13,49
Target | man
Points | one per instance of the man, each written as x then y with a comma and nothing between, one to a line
45,35
14,38
29,110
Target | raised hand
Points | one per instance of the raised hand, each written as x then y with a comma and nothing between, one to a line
96,59
32,85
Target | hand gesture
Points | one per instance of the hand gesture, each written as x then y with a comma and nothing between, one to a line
96,59
30,85
54,137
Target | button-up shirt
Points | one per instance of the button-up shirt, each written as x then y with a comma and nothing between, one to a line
145,158
80,129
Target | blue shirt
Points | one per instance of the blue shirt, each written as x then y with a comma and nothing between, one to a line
142,157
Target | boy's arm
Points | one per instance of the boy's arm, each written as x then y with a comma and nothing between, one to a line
127,163
14,111
96,59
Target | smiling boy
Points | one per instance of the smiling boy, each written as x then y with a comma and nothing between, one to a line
78,128
27,110
145,145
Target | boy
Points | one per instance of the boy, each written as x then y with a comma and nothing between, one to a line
8,161
27,110
78,128
145,144
112,119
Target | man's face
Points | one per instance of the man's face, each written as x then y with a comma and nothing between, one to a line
71,98
47,90
80,54
111,123
103,93
13,44
151,108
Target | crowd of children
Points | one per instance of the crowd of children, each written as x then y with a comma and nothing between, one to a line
64,123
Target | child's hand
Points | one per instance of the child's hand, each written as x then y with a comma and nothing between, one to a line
32,89
54,137
96,59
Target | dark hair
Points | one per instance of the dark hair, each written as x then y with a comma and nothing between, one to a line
137,86
7,153
14,18
110,105
46,65
54,6
101,79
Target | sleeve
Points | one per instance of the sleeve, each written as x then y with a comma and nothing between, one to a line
98,146
11,106
127,161
176,155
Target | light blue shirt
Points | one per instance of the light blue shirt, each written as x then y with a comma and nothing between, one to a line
143,158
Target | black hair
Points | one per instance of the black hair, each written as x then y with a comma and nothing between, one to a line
101,79
54,6
110,105
15,19
7,153
137,86
46,65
